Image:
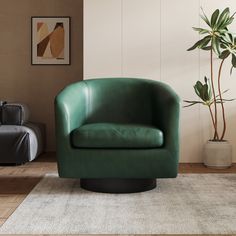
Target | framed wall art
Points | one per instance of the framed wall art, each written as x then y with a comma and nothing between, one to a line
50,40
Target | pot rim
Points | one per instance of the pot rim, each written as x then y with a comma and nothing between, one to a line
224,142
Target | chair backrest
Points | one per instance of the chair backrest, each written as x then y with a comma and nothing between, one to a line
119,100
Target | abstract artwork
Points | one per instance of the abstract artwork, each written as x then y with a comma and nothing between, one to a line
50,40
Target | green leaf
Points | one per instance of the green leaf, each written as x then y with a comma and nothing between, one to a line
230,21
192,101
223,21
205,96
206,48
223,16
201,43
196,91
192,104
194,46
224,54
230,37
207,90
233,15
201,30
233,60
227,38
227,22
214,18
223,46
204,17
207,81
216,45
231,70
224,100
198,87
205,43
228,100
203,91
222,31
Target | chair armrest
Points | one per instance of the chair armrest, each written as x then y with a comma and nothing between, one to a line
70,111
166,109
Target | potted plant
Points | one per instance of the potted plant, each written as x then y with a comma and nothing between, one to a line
218,41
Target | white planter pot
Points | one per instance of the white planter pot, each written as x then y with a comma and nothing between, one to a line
217,154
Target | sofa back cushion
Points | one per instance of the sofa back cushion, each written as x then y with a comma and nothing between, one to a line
14,114
119,100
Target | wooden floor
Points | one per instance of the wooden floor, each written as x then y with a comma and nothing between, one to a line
16,182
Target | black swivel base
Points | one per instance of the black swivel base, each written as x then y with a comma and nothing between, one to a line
118,185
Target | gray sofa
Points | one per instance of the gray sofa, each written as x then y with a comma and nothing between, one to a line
20,140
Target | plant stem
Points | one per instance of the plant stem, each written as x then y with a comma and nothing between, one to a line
216,136
221,101
212,117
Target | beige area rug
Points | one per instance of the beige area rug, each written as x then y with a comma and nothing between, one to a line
190,204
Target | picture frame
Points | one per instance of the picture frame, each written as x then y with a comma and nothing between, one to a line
50,40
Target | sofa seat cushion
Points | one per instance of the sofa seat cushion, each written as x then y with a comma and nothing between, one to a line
110,135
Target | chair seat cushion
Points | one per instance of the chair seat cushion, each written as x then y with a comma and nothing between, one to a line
110,135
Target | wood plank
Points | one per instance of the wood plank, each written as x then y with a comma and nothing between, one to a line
11,198
17,185
2,221
5,212
200,168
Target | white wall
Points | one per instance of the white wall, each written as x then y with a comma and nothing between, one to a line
149,38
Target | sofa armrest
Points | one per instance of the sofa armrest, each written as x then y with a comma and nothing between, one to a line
166,109
70,112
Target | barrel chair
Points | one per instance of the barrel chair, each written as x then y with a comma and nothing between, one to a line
117,134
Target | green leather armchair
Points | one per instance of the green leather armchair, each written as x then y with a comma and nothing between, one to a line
117,134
